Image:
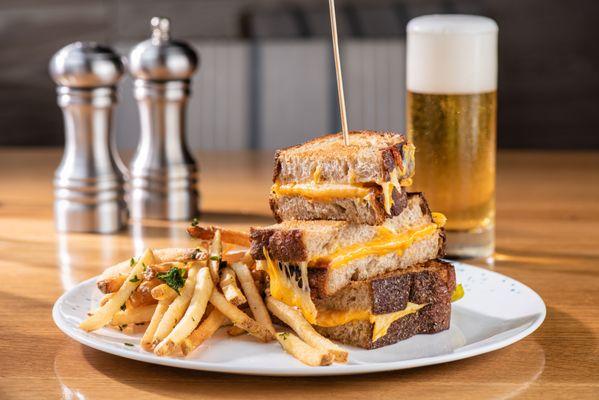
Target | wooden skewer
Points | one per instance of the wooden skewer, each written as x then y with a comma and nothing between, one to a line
338,72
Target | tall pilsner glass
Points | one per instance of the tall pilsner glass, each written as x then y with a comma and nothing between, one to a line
451,118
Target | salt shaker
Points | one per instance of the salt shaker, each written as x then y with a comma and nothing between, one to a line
162,178
88,184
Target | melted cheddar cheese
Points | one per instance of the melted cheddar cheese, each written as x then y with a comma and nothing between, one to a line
288,290
320,191
409,151
381,322
386,241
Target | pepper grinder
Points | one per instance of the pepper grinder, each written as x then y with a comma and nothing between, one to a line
162,180
88,184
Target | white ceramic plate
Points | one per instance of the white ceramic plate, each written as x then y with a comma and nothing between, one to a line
495,312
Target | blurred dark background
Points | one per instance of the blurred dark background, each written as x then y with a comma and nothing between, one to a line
267,77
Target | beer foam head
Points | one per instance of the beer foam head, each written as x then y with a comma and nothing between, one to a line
452,54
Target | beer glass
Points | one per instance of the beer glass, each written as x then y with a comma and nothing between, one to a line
451,118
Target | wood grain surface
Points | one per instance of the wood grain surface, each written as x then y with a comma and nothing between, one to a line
547,237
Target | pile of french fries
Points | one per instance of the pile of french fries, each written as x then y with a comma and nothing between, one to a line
219,286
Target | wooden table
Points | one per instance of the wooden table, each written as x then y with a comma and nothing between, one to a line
547,237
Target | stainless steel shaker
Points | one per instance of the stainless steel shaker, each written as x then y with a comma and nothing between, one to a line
162,178
88,184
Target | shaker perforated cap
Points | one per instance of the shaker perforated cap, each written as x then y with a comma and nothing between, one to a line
86,65
161,58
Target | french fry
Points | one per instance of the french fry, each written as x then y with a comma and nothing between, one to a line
104,314
294,319
177,308
167,266
253,296
178,254
261,265
193,315
228,283
302,351
142,296
239,318
164,292
146,340
133,315
113,277
215,256
234,255
235,331
111,284
228,235
204,331
105,298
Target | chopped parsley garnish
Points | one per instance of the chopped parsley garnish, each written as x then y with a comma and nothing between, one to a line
195,222
129,344
215,258
174,278
145,266
132,262
284,335
134,279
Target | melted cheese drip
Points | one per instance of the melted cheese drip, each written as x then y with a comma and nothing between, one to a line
381,322
287,290
393,183
388,196
384,321
316,174
386,241
409,151
439,219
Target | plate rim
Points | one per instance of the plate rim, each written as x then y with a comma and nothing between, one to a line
299,370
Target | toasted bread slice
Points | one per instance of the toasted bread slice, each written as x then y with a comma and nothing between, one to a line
325,245
370,157
429,285
426,283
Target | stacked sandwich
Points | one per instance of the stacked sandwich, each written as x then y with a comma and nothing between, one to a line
353,250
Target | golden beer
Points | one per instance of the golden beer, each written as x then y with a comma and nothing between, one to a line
455,136
451,118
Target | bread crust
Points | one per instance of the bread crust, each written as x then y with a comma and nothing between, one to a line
287,245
